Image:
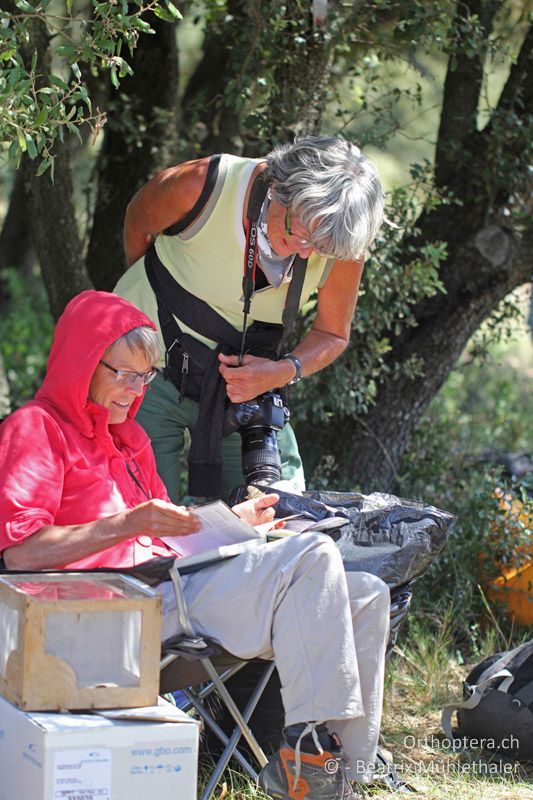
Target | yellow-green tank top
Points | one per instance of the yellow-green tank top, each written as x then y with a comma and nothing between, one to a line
207,259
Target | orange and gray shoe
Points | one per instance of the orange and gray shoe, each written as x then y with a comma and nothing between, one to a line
295,775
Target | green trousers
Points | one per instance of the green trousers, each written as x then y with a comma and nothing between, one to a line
165,417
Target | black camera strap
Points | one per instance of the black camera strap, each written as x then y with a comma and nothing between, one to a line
258,193
199,367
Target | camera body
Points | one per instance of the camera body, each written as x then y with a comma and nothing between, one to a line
257,421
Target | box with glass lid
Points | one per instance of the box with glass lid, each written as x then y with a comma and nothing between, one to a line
74,641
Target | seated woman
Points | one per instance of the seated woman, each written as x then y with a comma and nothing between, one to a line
78,484
79,489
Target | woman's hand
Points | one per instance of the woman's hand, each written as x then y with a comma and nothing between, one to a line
257,511
254,376
159,518
56,545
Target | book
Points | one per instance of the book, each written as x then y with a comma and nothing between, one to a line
222,535
299,523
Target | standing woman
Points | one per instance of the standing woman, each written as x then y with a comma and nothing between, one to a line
301,218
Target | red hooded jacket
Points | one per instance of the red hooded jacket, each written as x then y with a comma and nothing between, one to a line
60,461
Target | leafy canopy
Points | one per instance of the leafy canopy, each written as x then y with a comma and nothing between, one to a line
48,52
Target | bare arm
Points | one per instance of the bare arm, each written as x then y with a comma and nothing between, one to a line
164,200
328,337
55,545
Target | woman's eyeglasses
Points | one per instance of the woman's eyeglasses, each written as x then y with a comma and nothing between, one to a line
289,231
129,376
301,241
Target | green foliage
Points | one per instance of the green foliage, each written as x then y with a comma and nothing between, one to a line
495,332
482,410
41,103
266,61
396,277
25,336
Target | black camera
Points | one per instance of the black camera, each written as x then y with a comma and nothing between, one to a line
257,421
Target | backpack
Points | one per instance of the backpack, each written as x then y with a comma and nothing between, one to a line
497,708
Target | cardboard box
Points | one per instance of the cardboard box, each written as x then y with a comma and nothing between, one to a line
74,641
47,756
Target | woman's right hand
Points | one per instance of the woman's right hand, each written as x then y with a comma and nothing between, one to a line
159,518
56,545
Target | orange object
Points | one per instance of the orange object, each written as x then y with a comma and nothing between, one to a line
513,588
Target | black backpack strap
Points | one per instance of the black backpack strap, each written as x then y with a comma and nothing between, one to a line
199,315
191,310
209,185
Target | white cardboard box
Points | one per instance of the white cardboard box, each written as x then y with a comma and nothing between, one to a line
49,756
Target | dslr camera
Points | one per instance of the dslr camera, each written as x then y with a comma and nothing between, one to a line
257,421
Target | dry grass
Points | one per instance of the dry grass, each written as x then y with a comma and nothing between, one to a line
424,759
422,676
420,681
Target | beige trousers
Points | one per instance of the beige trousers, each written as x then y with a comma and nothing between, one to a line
326,629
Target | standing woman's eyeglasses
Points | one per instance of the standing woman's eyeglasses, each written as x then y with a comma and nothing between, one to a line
289,231
302,242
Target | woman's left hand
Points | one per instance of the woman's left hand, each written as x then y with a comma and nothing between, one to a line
257,511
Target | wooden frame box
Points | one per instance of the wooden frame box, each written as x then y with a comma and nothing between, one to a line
75,641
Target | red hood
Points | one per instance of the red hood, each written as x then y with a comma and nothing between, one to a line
88,325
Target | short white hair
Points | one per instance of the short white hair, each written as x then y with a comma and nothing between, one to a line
143,339
334,189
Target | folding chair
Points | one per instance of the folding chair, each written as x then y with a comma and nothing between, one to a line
267,720
261,676
198,668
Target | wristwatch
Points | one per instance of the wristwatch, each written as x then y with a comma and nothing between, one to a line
297,365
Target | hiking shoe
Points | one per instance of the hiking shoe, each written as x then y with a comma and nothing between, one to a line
294,775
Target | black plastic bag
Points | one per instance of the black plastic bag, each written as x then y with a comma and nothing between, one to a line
388,536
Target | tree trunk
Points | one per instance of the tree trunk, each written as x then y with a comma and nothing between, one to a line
369,449
205,105
239,56
301,81
5,405
140,139
55,232
51,206
16,246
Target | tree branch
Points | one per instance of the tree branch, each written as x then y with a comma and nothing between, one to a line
518,90
462,88
142,134
204,96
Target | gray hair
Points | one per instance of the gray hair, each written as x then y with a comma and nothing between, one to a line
143,339
334,189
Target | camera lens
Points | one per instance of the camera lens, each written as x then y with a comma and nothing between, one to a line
261,462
